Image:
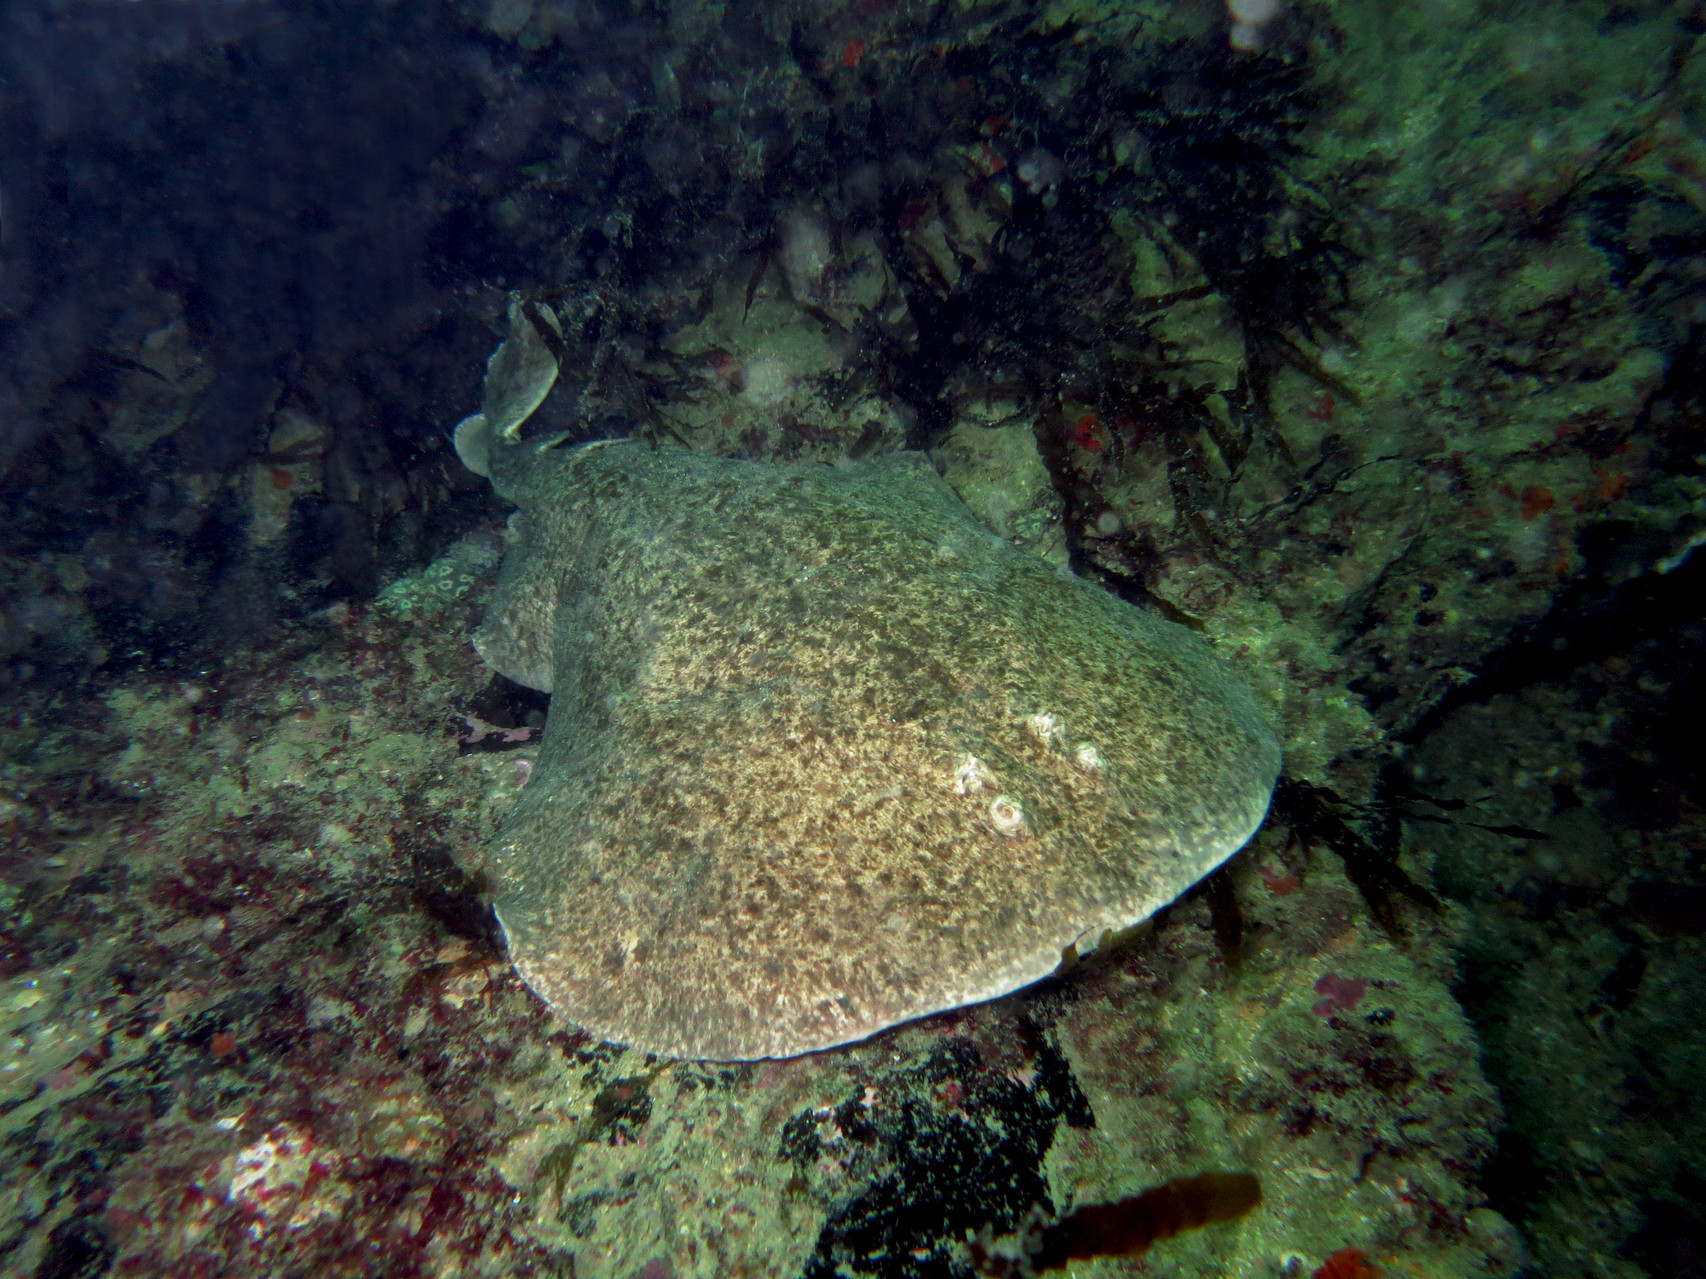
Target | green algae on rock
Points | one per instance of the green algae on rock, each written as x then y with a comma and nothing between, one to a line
825,755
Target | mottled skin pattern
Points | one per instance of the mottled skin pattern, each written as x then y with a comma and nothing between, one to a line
795,786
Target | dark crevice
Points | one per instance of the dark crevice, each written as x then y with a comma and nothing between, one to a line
1315,816
1588,622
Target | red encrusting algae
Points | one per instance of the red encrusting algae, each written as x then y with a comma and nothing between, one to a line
1341,994
1348,1263
1537,499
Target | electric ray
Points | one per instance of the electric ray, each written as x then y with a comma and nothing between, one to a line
824,754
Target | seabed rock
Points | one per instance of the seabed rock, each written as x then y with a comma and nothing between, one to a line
825,755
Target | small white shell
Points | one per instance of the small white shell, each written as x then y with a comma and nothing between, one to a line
1090,759
971,776
1007,814
1046,728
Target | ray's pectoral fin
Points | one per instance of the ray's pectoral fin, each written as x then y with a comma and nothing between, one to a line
519,632
520,373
